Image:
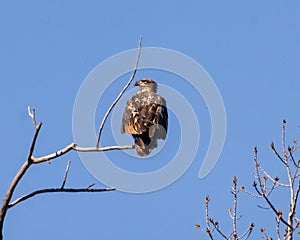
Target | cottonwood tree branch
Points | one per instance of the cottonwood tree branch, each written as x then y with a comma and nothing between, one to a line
291,222
53,190
61,189
66,175
33,160
208,230
278,212
36,160
233,215
121,93
19,175
248,232
264,185
234,218
74,147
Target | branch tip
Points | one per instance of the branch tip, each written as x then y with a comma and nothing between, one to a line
120,94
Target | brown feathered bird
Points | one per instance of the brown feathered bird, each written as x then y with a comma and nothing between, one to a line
145,117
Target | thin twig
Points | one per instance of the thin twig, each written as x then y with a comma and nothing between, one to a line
216,225
234,192
265,208
277,154
208,230
283,135
257,165
275,180
251,194
274,186
31,114
121,93
291,214
278,227
272,206
66,175
296,196
293,159
248,232
290,234
91,185
52,190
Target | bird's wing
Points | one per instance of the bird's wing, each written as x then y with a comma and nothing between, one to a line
131,117
160,120
146,112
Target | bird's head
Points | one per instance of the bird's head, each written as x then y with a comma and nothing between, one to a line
146,84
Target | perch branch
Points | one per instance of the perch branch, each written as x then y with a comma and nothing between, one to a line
74,147
121,93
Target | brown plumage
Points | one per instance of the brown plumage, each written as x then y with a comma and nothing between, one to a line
145,117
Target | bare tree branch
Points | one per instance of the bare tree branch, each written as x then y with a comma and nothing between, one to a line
66,175
216,225
233,214
283,135
275,180
74,147
248,232
277,154
31,114
208,230
292,157
234,192
52,190
277,212
34,160
296,198
278,228
264,185
250,193
121,93
16,180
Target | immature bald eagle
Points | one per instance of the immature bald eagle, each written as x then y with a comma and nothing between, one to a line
145,117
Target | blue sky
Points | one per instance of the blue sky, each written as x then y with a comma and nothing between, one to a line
251,50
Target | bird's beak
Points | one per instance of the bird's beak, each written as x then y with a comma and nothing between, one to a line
137,83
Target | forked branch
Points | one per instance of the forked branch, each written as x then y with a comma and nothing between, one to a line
36,160
289,221
120,94
60,190
212,225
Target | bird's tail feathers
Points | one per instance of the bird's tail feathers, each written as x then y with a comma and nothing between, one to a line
144,145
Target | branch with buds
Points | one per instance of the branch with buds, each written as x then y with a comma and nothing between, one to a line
264,185
212,226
